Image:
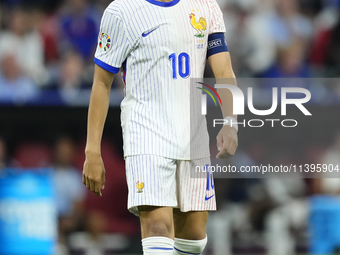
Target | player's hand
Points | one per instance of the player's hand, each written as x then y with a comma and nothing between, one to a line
227,142
94,174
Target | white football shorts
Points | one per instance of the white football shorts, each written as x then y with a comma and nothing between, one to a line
157,181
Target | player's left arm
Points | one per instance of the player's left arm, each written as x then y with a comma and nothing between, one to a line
221,66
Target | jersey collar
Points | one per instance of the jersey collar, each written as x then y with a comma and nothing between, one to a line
163,4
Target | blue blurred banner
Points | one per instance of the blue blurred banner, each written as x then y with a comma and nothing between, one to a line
28,220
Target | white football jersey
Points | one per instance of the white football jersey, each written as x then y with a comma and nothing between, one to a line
161,46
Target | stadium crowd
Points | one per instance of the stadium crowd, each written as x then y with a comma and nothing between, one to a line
47,47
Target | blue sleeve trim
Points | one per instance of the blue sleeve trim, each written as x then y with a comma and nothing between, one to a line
107,67
216,44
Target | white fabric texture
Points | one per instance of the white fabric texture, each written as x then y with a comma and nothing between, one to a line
193,247
161,48
157,181
157,245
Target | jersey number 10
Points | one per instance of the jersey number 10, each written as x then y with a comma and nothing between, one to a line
183,65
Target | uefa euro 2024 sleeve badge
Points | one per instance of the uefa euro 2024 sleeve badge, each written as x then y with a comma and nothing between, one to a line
104,42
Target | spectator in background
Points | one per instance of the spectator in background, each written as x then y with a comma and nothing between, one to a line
290,63
288,215
287,218
324,23
15,86
288,24
70,191
249,35
79,23
24,44
71,82
48,26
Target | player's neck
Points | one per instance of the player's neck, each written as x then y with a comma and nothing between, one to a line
164,0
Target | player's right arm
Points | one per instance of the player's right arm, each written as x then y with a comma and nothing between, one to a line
114,46
94,171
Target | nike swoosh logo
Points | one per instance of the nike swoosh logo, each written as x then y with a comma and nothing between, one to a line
147,33
207,198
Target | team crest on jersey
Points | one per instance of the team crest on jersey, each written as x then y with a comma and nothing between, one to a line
104,42
199,26
140,187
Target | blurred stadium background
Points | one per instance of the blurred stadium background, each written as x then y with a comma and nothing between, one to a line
46,69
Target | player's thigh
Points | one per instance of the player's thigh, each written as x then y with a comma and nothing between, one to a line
156,221
190,225
195,186
151,181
